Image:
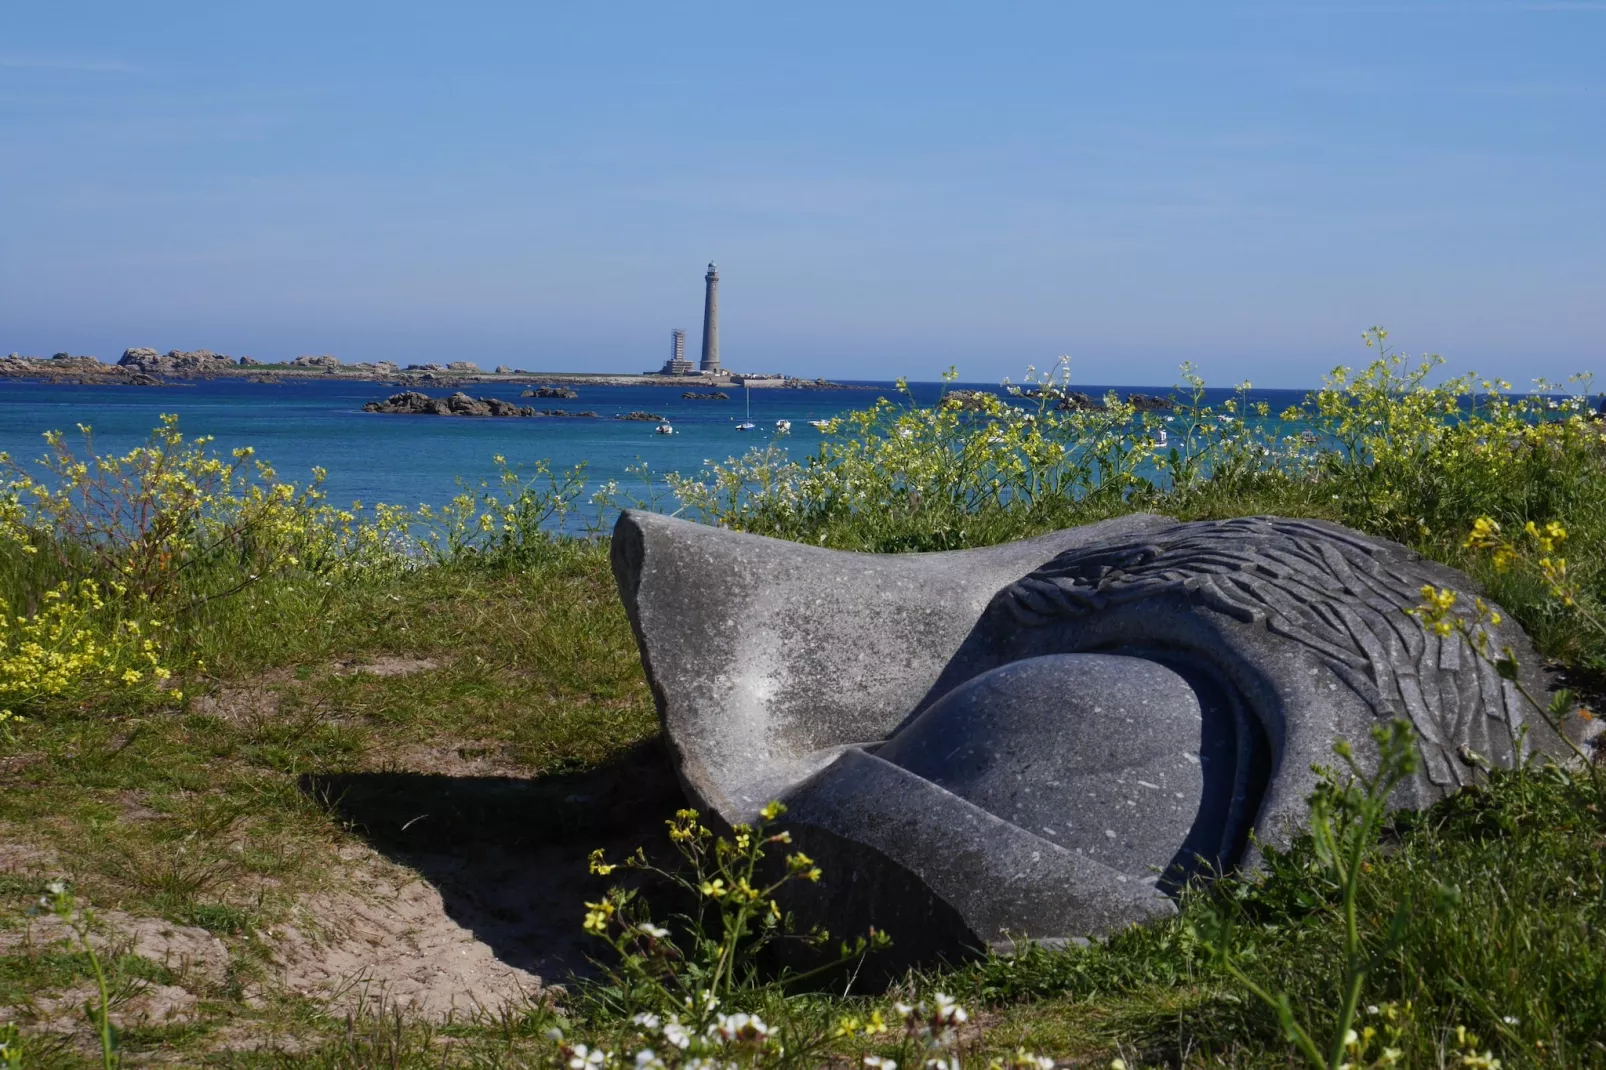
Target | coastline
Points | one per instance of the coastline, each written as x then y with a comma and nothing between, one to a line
88,371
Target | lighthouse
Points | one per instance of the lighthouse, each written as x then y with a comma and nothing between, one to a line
710,362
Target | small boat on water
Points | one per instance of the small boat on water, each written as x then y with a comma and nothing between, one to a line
664,428
1160,439
747,423
819,425
783,427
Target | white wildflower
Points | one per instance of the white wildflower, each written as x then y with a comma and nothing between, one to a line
677,1034
740,1029
947,1010
584,1058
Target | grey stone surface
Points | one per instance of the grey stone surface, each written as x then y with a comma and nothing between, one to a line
767,658
1106,756
1045,738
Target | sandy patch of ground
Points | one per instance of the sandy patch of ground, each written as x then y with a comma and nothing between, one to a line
389,939
386,666
255,700
467,893
258,698
385,938
190,952
20,858
197,959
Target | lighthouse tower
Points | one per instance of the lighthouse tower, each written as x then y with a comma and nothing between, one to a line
710,362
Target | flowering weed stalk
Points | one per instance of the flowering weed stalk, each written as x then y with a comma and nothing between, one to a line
736,915
80,921
1346,814
504,522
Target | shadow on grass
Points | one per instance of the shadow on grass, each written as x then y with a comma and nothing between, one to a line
508,855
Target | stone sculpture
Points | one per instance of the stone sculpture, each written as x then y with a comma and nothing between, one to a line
1046,739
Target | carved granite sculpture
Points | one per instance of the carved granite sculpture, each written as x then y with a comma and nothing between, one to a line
1045,739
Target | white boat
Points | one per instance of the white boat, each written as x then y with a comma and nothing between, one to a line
747,424
783,427
819,425
1160,439
664,428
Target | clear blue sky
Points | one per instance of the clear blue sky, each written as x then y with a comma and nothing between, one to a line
888,187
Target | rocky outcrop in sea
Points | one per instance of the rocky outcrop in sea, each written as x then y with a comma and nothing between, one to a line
1077,401
81,371
175,362
973,400
717,395
415,403
561,392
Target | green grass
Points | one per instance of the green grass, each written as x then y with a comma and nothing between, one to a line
220,819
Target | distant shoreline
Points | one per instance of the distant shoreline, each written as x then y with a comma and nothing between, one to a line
87,371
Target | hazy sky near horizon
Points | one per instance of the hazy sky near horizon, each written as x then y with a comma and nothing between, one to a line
888,188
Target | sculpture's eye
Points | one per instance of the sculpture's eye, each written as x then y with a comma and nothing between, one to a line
1119,759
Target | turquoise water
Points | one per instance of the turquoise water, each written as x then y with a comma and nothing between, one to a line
413,460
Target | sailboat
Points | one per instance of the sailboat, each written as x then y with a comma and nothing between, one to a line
747,423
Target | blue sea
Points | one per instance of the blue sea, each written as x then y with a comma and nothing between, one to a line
414,460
